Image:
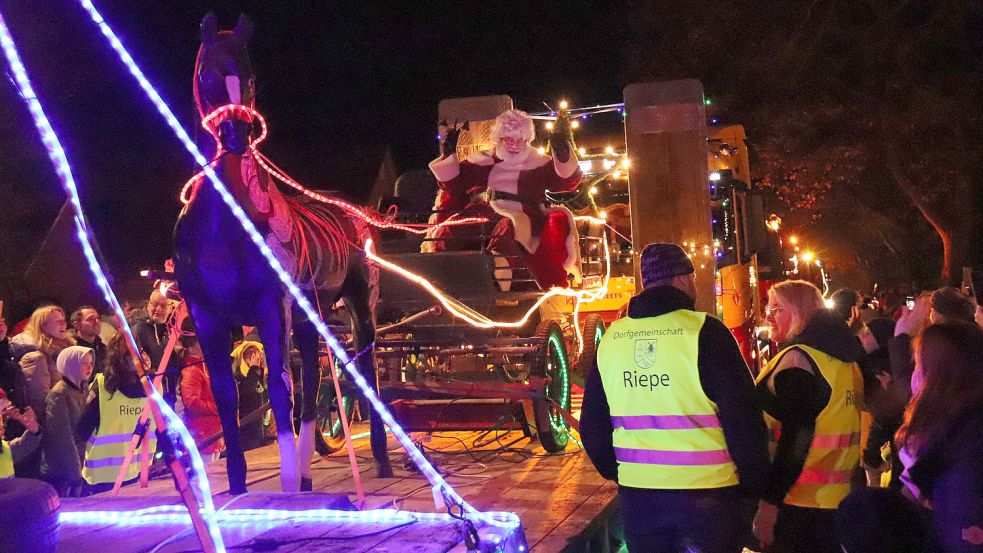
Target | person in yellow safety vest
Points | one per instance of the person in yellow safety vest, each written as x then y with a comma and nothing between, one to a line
18,448
811,392
670,414
115,403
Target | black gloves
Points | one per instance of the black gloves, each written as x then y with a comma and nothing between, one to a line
560,138
448,146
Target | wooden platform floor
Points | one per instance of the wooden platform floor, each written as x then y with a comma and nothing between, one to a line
555,496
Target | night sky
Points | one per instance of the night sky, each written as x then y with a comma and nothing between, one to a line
342,83
337,82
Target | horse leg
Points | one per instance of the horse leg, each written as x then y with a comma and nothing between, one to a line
357,296
214,338
306,340
273,333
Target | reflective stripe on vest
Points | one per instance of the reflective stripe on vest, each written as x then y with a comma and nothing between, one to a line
6,461
106,449
835,449
666,431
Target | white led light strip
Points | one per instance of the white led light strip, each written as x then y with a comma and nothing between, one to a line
434,478
60,162
174,514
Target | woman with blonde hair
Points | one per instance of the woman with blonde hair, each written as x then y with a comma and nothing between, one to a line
811,393
37,348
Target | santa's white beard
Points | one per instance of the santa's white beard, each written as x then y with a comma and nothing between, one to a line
509,157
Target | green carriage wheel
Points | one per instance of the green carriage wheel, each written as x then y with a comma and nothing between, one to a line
593,331
551,428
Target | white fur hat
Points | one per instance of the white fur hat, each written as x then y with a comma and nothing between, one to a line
513,123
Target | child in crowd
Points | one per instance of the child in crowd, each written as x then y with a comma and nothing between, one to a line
200,410
62,451
249,365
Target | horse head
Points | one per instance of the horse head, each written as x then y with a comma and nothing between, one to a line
224,77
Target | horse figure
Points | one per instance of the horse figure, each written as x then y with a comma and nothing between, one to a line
228,283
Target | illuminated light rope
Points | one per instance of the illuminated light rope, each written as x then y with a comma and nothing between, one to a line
280,175
210,123
173,514
438,483
59,160
475,318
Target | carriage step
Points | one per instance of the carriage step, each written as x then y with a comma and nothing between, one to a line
436,415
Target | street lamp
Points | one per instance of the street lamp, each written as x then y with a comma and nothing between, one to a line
774,222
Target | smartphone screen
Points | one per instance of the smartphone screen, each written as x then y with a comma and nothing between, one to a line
910,302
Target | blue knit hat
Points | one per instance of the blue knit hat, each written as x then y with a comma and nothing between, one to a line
662,261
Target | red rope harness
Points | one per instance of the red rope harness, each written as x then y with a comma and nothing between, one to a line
211,121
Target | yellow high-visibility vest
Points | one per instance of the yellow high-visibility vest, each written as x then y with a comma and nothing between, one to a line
6,461
106,449
835,449
666,431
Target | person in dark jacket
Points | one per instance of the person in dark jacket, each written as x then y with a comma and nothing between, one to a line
885,399
812,392
670,504
249,365
21,446
13,384
152,336
879,520
941,440
86,326
62,451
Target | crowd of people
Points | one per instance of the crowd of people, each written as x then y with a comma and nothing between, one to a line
71,398
717,457
709,455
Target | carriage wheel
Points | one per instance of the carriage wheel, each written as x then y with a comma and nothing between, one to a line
551,428
330,436
593,330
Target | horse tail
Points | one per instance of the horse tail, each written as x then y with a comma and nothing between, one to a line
364,233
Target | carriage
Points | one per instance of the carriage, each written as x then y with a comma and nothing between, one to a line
476,350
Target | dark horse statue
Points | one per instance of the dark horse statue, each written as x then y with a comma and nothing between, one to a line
228,283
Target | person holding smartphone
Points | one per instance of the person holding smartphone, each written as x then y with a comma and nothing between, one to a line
910,323
26,443
12,383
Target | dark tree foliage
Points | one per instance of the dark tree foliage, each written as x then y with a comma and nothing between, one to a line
863,118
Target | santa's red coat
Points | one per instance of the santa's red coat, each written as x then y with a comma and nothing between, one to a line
548,236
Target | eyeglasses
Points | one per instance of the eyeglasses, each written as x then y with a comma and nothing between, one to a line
771,310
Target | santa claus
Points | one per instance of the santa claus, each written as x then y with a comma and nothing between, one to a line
509,184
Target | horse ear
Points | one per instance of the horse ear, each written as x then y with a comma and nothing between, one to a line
244,30
209,29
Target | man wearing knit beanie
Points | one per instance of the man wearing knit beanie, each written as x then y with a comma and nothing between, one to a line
669,413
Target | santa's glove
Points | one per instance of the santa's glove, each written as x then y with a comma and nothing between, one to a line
560,139
448,145
561,150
